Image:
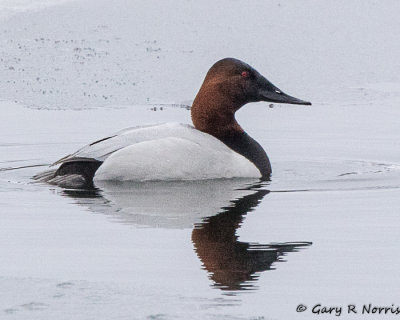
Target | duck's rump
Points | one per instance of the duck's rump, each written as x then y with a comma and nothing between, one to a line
73,173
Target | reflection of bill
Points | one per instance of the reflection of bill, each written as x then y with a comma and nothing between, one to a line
234,265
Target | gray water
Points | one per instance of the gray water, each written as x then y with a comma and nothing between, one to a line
323,230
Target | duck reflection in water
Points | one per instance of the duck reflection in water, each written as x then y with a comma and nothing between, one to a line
215,208
232,264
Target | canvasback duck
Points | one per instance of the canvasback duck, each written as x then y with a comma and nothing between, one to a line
216,147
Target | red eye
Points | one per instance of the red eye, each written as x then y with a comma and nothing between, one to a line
245,74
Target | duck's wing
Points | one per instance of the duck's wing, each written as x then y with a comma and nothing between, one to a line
101,149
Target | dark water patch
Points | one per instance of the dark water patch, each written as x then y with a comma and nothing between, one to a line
10,310
65,285
346,174
34,306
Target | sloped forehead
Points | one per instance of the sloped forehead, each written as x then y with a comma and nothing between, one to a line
228,66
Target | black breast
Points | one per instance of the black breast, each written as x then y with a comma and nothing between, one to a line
245,145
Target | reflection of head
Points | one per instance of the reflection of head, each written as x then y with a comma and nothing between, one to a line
233,264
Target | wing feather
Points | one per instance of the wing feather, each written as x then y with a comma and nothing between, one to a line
101,149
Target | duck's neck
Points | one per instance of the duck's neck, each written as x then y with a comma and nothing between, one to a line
217,117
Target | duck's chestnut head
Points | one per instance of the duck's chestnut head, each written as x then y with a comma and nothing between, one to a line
241,83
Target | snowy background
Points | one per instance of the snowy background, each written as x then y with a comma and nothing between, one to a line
94,53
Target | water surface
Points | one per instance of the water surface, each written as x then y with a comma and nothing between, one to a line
323,229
